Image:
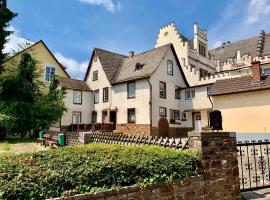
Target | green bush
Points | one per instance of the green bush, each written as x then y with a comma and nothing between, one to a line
90,168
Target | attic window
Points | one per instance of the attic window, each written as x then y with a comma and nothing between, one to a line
138,66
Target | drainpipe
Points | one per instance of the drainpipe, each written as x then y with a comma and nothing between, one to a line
150,105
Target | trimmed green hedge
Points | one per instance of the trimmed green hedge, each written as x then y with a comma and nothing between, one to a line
90,168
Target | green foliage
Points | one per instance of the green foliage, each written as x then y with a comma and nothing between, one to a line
21,98
6,16
90,168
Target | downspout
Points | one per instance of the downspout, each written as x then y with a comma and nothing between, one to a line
150,105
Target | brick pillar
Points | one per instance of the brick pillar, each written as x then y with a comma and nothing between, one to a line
219,163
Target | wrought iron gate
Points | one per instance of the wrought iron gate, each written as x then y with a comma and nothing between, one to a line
254,164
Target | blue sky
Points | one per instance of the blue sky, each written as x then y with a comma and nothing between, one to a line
72,28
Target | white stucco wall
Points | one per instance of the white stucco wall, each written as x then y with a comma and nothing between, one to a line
118,97
84,108
171,82
140,102
200,103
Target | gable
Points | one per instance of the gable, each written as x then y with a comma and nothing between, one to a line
43,55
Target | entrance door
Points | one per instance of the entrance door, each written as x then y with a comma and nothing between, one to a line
113,118
197,122
163,127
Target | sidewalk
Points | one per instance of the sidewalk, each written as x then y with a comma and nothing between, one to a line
263,194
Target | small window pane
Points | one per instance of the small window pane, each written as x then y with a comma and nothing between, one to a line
177,93
131,115
76,118
77,97
49,73
95,75
96,96
162,90
131,90
162,112
105,94
170,67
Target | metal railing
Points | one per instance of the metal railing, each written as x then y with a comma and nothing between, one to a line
254,164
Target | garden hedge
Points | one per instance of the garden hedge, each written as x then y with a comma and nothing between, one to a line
90,168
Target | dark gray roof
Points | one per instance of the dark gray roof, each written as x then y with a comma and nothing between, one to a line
73,84
110,61
239,85
247,47
150,60
119,68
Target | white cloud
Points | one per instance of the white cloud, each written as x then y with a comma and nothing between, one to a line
107,4
239,20
74,68
15,42
257,9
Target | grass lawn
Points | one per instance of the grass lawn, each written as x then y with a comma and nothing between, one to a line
20,146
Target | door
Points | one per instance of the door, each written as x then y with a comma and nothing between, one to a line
197,122
113,119
163,127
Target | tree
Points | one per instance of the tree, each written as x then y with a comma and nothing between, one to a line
21,98
6,15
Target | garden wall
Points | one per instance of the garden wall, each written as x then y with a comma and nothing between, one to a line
219,180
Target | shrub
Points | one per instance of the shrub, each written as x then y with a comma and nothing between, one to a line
94,167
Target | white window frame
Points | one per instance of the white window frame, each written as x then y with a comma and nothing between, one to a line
80,117
75,97
96,96
191,94
170,63
50,66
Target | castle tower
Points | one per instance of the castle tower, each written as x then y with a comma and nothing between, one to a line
200,43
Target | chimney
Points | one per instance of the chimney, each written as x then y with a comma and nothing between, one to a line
131,54
223,44
256,71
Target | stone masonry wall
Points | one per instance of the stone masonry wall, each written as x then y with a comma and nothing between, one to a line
219,180
134,129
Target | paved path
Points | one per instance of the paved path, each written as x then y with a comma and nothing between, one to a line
263,194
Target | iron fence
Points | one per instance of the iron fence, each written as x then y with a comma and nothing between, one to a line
254,164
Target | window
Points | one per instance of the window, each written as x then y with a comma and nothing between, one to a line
162,111
77,97
131,90
49,72
131,115
184,116
174,116
94,117
162,90
76,117
170,67
138,66
177,93
202,49
96,96
95,75
266,71
189,94
105,94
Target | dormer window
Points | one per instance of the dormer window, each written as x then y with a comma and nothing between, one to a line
138,66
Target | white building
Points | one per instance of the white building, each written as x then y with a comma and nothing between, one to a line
164,91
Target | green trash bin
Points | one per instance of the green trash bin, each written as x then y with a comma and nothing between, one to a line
61,139
41,134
